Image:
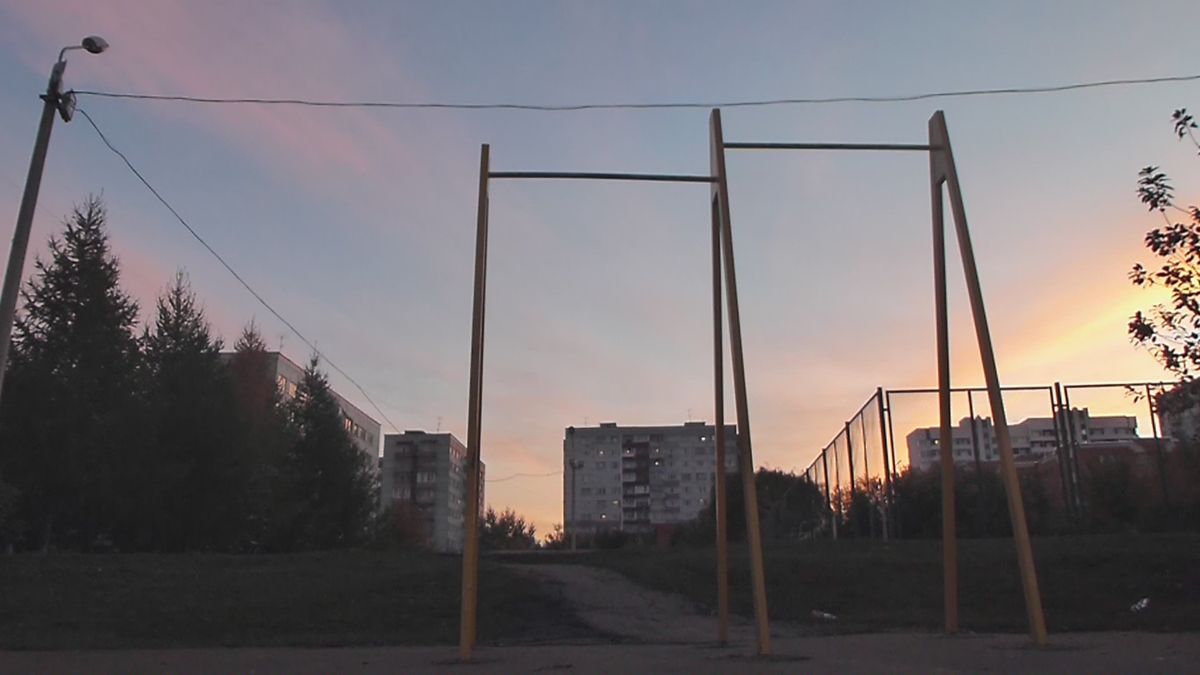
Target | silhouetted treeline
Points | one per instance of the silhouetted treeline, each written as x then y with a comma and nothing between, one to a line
1116,497
111,439
789,507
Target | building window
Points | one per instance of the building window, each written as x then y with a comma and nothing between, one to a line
426,477
585,491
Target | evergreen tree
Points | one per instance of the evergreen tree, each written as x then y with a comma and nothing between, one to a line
194,487
327,486
265,437
69,425
506,531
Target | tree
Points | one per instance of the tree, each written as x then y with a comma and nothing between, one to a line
264,434
327,488
195,486
506,531
556,540
71,417
789,507
399,526
1171,332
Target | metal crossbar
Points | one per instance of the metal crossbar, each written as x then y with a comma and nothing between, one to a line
575,175
829,146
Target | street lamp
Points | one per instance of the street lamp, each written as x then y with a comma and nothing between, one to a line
54,101
576,465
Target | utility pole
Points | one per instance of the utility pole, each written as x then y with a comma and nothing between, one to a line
53,101
576,465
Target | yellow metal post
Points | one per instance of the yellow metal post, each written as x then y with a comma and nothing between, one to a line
720,193
470,561
945,437
940,137
722,505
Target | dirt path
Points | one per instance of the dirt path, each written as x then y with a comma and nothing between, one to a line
621,610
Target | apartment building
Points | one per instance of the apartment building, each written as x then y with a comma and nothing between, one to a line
1033,439
288,375
634,478
423,476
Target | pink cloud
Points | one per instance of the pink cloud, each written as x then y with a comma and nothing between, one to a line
249,50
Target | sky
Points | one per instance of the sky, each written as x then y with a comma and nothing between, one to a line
359,224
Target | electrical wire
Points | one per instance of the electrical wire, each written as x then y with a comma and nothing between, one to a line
646,106
523,475
245,284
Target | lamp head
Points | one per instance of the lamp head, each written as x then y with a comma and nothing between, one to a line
94,44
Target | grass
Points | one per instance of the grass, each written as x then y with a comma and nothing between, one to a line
363,598
1087,583
319,599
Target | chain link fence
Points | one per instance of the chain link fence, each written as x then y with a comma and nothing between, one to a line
1093,456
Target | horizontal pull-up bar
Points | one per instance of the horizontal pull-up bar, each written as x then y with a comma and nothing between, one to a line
962,390
1108,385
828,146
656,177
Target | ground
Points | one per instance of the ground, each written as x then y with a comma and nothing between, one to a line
379,612
1088,583
873,653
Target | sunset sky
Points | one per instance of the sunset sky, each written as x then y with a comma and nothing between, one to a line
359,225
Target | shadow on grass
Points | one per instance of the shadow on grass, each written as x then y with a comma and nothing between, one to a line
317,599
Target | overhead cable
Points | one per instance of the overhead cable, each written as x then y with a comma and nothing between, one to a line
224,263
734,103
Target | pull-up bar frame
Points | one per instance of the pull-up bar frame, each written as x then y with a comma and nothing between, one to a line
576,175
942,172
722,261
829,146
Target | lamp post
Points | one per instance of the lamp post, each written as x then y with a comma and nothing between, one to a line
54,100
576,465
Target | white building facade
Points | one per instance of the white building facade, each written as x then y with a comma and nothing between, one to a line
288,375
634,478
1033,439
423,476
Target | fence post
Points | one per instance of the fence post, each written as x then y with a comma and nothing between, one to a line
1073,454
862,425
854,529
833,528
891,435
1060,433
887,473
1158,449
